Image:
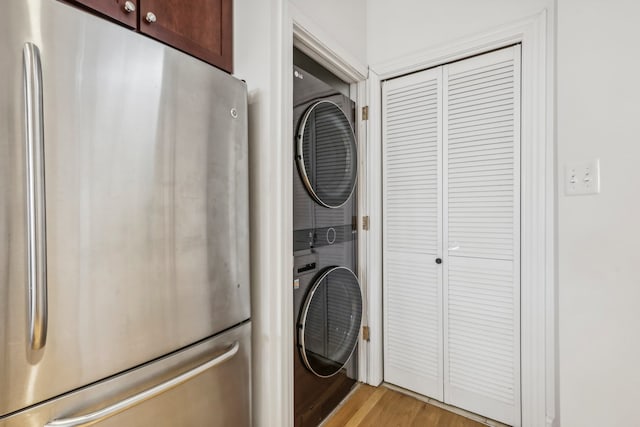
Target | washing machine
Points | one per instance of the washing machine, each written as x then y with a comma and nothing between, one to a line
327,296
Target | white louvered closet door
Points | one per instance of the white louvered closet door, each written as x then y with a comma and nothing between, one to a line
412,161
482,234
451,181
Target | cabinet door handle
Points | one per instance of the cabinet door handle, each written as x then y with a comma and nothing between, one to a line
150,18
36,212
129,7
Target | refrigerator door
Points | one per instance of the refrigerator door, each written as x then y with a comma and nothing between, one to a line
123,201
216,392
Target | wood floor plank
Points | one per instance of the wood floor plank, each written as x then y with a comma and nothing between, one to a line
364,410
395,410
428,415
374,407
347,411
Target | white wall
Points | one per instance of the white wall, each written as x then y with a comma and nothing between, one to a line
397,28
341,22
598,115
599,263
259,57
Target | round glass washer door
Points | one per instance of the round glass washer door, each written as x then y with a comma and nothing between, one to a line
330,321
326,154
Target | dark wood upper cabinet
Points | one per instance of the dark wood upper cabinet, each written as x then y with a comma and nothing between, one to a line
124,11
202,28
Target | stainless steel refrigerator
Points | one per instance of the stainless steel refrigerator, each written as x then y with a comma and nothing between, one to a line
124,242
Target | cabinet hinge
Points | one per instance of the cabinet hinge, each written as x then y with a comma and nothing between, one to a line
365,112
365,222
365,333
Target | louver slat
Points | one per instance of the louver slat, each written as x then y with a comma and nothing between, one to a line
412,232
481,232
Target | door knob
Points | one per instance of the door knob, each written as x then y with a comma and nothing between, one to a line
150,18
129,7
438,260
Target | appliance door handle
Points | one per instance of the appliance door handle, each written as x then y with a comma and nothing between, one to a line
132,401
35,188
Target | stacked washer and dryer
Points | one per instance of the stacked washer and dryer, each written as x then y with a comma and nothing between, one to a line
327,297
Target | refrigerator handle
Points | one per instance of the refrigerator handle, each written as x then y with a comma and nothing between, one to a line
36,212
128,403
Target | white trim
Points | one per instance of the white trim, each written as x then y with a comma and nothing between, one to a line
320,46
373,208
363,237
552,403
538,200
286,134
539,329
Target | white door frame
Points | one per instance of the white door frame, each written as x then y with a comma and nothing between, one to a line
538,202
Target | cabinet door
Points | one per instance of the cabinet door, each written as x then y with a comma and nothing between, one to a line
125,11
202,28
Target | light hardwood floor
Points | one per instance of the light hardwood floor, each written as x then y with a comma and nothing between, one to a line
381,407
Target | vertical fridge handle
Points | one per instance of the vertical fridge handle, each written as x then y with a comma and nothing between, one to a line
36,213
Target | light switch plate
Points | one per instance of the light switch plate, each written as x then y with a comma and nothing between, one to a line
582,178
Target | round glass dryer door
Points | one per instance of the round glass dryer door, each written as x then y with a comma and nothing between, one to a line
326,154
330,321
